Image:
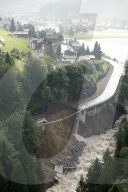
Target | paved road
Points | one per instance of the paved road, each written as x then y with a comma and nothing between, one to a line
101,86
110,88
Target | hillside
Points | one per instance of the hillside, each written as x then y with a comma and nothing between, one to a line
10,43
61,8
67,8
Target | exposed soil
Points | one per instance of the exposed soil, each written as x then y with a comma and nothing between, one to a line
56,135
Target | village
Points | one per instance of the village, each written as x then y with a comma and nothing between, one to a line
65,50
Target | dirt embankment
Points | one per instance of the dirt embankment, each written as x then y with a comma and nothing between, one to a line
56,135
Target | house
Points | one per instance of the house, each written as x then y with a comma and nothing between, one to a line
53,37
40,43
75,45
27,26
36,43
33,43
70,59
69,53
87,57
21,34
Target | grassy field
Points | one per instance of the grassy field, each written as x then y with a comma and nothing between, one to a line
103,34
10,43
86,36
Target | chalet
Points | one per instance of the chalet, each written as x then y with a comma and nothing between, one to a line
33,43
21,34
87,57
36,43
75,45
69,53
40,43
53,37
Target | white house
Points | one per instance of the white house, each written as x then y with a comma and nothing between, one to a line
70,59
36,43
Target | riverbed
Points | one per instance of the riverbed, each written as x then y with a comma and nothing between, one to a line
95,148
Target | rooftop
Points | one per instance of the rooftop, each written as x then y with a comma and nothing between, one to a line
21,33
86,57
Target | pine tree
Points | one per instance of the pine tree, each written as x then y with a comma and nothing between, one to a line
5,154
71,33
94,172
42,34
107,174
32,32
97,51
58,52
20,27
87,51
49,49
107,156
18,176
31,134
12,27
7,58
126,66
81,186
4,184
115,188
83,50
17,173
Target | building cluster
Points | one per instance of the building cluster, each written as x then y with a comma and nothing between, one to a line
24,34
40,43
5,23
108,24
77,26
70,53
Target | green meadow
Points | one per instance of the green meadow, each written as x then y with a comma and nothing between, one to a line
10,43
